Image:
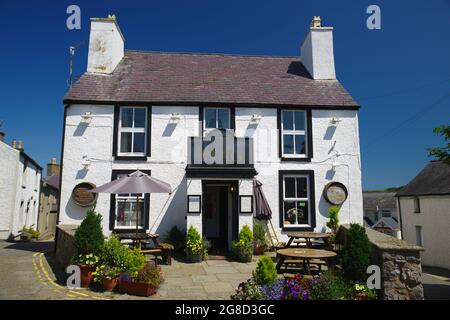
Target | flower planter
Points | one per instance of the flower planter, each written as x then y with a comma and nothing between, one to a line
259,250
109,284
86,275
360,296
191,257
242,257
136,288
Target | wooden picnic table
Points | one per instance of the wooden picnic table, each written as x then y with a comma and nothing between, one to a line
140,237
307,235
304,254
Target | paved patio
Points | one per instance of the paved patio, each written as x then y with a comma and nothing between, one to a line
28,271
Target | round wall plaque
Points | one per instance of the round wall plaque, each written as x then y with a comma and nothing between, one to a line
81,195
335,193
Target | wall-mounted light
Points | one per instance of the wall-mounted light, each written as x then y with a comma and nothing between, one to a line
255,118
335,121
175,116
85,162
86,117
334,165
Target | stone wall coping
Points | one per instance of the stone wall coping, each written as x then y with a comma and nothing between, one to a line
68,228
387,243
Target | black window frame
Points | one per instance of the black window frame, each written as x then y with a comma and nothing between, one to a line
112,209
309,135
116,134
311,201
201,112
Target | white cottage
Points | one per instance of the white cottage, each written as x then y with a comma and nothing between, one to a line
288,122
20,178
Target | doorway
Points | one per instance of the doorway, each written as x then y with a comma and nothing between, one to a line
220,219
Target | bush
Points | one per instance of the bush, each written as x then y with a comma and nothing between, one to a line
355,256
114,253
330,286
248,290
150,274
195,245
333,216
243,247
259,235
89,235
134,262
265,272
177,238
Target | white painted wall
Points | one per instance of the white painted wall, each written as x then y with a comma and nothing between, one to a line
19,203
435,222
169,156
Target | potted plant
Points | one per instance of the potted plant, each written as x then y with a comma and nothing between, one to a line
29,234
243,247
260,243
87,264
133,261
196,247
107,276
144,284
89,241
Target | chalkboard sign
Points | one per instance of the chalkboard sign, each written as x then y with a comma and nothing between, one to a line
81,195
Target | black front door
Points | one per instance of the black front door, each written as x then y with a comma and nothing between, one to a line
219,219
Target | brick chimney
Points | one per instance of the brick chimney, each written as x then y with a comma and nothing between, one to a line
317,51
106,45
53,167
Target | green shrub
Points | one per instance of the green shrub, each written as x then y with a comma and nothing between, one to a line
134,262
259,234
265,272
333,216
243,247
114,253
194,243
177,238
330,285
355,256
89,235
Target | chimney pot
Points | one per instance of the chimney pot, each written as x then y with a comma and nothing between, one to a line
14,143
316,23
53,167
2,136
20,145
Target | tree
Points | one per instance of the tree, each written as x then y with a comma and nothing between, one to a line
441,153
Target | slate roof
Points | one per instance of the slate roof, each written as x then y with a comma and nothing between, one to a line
209,78
386,222
53,180
384,200
434,179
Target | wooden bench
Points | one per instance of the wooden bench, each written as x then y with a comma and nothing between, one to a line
164,250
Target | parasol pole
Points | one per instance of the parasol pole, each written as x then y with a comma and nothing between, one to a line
137,218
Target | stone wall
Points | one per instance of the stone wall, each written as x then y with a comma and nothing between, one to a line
65,244
400,265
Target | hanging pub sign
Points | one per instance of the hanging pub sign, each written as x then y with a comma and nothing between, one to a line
82,196
335,193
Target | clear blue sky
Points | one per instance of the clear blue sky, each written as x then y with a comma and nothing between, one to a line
397,73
